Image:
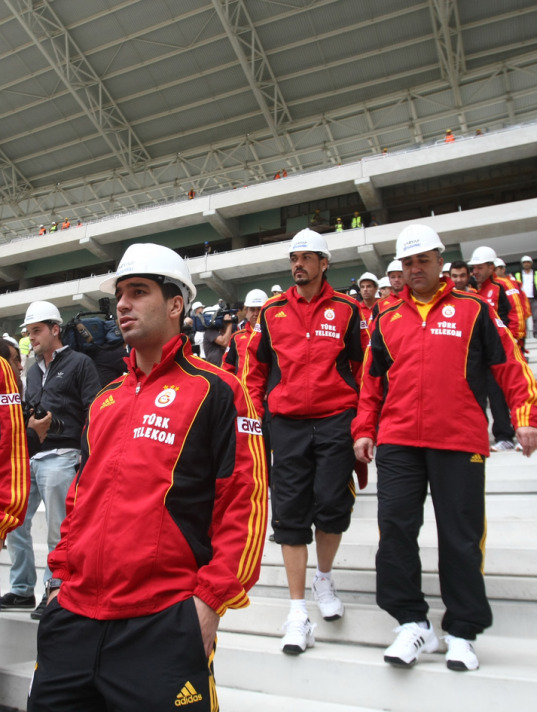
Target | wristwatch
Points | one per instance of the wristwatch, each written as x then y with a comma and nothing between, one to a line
52,584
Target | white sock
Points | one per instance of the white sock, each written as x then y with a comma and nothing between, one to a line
322,574
424,624
299,604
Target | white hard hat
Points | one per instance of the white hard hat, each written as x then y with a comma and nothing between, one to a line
197,305
146,259
498,262
482,255
309,241
368,276
526,258
11,340
384,282
352,292
446,267
276,288
415,239
42,311
255,298
394,266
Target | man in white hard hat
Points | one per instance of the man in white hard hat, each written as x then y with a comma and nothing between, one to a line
394,275
165,526
394,272
276,290
198,327
435,346
500,270
305,355
385,288
368,284
528,277
504,297
235,354
63,382
499,292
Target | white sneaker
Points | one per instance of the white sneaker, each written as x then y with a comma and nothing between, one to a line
460,654
329,604
502,446
410,643
298,633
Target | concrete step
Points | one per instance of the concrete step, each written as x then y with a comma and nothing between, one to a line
352,583
356,674
330,674
235,700
518,532
512,507
502,505
365,624
500,560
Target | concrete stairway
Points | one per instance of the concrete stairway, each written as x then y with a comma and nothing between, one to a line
345,670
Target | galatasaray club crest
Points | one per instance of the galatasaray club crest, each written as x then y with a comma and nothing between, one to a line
166,397
329,314
448,311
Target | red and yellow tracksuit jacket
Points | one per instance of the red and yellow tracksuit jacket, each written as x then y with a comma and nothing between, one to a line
504,296
235,354
383,304
424,379
14,463
305,355
170,500
518,307
367,316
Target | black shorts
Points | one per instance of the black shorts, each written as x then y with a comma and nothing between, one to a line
155,663
312,480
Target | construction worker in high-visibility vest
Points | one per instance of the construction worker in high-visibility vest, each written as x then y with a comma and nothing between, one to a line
356,220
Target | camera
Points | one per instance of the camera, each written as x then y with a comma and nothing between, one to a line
215,320
56,426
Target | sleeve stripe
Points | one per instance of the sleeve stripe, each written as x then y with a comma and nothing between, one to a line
17,457
258,513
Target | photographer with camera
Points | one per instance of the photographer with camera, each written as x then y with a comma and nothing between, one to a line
219,321
64,382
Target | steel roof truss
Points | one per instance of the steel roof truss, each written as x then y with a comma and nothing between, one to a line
52,39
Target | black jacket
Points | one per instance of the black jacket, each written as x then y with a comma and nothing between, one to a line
71,385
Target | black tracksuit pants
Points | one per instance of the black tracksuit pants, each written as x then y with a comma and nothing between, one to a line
457,485
154,663
502,428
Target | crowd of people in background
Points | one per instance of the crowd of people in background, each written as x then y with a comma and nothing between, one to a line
55,226
325,379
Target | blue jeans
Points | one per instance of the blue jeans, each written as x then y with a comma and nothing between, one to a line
51,477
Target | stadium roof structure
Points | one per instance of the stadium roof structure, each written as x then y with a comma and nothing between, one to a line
112,105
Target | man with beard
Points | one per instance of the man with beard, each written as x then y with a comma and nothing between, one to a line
305,355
